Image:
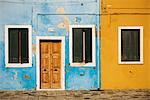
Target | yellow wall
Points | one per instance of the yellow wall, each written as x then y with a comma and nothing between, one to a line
116,13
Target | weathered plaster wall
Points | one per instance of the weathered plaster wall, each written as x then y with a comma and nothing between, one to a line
15,78
123,13
49,18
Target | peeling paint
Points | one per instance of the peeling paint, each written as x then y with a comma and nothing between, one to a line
27,77
15,75
60,10
33,48
65,24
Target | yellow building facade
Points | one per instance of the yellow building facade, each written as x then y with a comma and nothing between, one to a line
124,13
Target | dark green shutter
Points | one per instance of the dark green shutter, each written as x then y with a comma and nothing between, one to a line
88,44
13,45
24,45
77,37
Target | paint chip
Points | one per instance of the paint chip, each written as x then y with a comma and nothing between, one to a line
15,75
65,24
50,29
33,48
27,77
60,10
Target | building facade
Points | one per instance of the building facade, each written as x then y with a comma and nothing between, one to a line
74,44
49,45
125,39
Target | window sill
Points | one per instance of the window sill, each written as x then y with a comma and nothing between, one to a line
138,63
82,64
11,65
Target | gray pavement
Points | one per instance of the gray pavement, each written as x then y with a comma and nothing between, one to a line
139,94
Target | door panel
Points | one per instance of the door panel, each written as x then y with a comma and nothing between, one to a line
50,68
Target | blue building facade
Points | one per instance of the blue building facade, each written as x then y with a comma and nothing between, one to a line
50,18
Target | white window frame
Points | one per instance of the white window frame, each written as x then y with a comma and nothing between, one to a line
93,63
18,65
141,44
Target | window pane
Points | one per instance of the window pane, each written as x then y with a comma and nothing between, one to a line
130,45
77,45
24,45
13,45
88,44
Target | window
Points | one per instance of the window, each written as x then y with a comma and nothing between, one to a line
131,45
82,45
18,46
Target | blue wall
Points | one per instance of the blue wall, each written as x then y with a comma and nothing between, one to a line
57,15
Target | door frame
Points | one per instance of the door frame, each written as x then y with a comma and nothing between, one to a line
38,38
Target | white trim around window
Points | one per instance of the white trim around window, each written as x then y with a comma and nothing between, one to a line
91,64
141,44
18,65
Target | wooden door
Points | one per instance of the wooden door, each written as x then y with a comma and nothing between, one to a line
50,64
